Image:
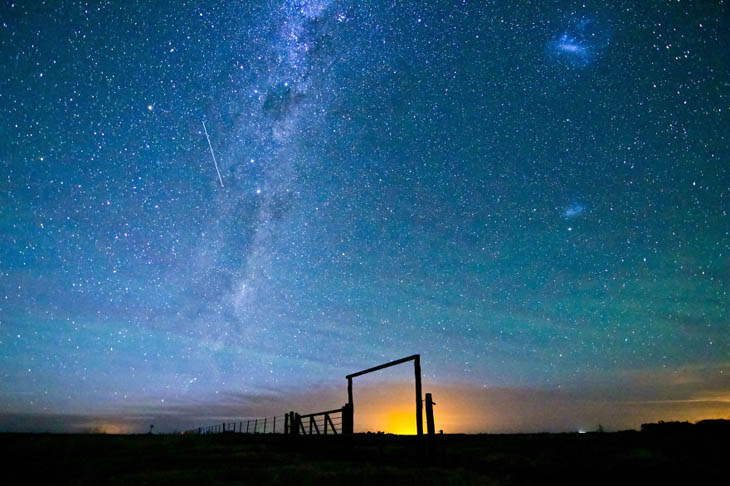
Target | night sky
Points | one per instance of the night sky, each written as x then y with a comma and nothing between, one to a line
534,196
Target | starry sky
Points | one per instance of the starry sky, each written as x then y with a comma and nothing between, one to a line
534,196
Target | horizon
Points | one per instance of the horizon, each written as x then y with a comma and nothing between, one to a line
222,210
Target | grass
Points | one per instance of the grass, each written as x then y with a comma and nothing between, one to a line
363,459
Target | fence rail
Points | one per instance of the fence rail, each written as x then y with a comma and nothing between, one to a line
320,422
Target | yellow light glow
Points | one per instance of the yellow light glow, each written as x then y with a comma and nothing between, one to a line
111,429
401,422
107,428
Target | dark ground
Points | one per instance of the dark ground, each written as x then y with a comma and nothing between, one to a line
600,458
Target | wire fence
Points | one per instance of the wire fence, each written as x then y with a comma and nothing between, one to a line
262,425
320,423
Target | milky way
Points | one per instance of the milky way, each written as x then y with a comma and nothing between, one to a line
532,197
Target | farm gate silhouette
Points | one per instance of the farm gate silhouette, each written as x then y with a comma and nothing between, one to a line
339,421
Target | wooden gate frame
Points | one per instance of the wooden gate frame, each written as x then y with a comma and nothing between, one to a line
348,421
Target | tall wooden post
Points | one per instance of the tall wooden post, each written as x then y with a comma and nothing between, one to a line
349,391
429,415
348,411
419,399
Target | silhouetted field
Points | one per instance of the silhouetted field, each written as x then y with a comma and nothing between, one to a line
363,459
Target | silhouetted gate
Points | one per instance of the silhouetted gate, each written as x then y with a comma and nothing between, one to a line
329,422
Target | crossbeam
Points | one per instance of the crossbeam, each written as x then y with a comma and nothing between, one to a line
386,365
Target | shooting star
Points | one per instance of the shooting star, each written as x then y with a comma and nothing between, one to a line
215,162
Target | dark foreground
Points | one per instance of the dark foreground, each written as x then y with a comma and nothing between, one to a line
363,459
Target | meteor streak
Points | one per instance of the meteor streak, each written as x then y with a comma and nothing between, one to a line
215,162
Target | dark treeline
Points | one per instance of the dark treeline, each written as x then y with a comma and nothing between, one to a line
703,427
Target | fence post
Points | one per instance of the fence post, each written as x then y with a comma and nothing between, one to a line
286,424
274,431
255,423
264,426
429,415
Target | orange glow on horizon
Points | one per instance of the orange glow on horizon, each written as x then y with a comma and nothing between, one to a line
390,408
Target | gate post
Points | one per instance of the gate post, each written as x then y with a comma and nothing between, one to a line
347,419
419,396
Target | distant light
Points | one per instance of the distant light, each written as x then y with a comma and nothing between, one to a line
581,431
